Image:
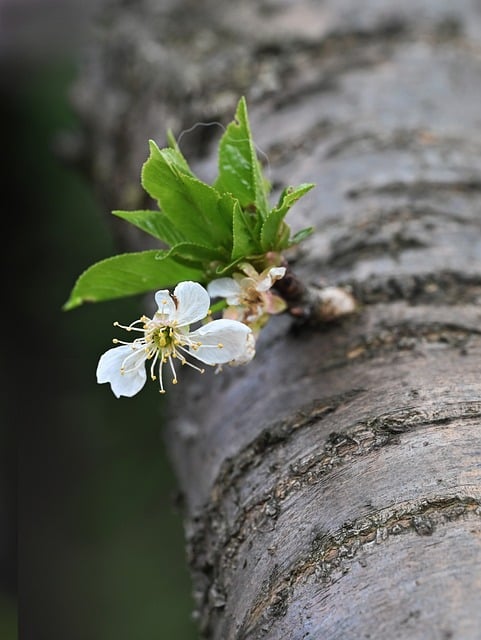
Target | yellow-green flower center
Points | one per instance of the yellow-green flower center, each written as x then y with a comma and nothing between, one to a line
163,338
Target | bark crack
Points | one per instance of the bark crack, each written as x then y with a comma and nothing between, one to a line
339,449
417,188
216,543
446,287
409,337
332,554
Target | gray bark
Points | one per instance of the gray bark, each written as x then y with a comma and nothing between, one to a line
333,486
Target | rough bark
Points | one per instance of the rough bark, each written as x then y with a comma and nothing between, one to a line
333,486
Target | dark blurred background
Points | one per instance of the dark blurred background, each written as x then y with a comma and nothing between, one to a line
100,539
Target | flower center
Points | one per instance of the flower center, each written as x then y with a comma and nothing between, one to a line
251,296
161,343
162,338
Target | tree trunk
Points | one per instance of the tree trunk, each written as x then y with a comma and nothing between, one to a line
333,486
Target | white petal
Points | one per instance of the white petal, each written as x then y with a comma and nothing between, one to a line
248,354
225,288
165,303
109,370
233,336
193,303
276,273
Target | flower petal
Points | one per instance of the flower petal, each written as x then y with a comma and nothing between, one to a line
166,304
248,354
234,313
273,274
222,341
225,288
248,269
274,304
109,370
193,303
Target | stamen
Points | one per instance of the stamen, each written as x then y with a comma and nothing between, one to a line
171,362
196,345
160,313
123,368
130,327
152,374
136,344
150,351
193,366
162,340
161,381
185,361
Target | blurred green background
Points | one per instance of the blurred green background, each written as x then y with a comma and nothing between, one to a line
101,540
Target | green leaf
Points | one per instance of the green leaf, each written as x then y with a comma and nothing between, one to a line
128,274
240,172
227,269
245,241
301,235
291,195
172,154
191,205
273,230
196,253
156,223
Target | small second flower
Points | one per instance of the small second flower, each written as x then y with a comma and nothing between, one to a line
248,295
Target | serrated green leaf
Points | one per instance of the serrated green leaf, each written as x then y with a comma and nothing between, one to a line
172,154
191,252
291,195
172,142
240,172
284,234
191,205
301,235
128,274
273,235
271,229
155,223
245,241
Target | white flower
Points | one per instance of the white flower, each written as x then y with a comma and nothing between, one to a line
248,295
248,354
167,336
